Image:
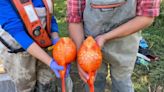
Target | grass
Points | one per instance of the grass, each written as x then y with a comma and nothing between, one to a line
144,80
152,79
60,12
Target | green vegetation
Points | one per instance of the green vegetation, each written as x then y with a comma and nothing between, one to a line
152,79
144,80
60,12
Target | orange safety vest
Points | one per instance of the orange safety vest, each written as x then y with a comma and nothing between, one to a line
32,22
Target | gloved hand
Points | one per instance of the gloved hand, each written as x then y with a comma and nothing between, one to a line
56,68
54,41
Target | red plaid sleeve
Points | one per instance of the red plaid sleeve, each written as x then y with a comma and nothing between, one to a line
75,10
148,7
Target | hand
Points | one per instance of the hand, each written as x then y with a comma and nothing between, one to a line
55,40
56,68
100,40
83,75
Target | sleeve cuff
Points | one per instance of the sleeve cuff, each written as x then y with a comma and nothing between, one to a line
23,39
149,13
74,19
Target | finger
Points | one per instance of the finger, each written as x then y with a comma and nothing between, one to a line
84,74
57,73
82,78
58,67
97,42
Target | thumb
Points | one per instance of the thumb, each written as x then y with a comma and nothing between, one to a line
58,67
57,73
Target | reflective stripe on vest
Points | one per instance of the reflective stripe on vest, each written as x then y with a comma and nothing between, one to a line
32,22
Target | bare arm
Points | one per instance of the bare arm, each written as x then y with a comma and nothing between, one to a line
76,33
39,53
132,26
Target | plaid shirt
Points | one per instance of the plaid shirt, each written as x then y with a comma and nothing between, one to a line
75,9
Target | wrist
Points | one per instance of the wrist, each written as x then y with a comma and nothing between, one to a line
55,40
107,36
54,35
104,37
51,62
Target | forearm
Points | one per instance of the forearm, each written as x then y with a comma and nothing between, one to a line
76,33
39,53
133,26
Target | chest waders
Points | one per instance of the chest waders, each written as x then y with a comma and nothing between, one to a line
102,16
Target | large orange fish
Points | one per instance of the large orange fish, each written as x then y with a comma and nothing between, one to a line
90,59
64,52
